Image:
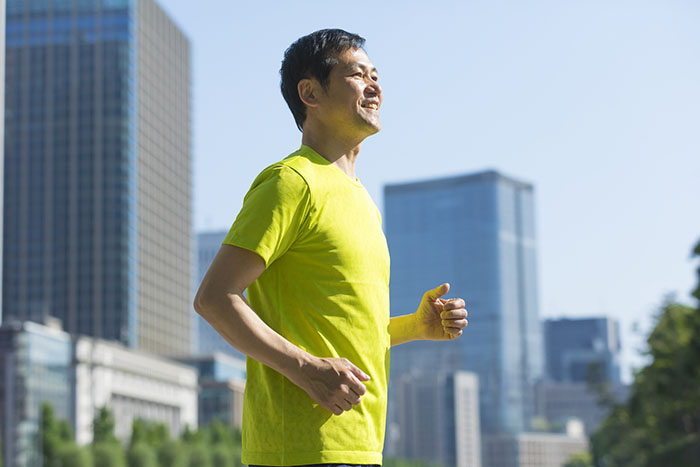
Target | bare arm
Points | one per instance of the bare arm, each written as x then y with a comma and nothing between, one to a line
335,383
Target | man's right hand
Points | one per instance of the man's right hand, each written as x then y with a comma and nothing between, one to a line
335,383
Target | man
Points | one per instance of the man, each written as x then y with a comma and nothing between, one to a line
309,248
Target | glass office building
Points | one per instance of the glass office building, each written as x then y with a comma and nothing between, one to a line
35,364
577,346
476,232
208,340
221,388
97,183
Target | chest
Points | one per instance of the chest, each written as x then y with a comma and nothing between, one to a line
344,233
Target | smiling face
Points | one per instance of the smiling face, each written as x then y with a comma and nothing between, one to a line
350,103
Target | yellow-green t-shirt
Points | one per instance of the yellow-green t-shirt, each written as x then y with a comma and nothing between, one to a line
325,289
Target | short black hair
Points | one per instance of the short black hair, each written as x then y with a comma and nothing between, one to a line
312,56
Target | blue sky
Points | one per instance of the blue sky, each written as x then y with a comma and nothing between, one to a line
597,103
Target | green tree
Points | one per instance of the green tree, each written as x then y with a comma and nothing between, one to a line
108,454
140,454
222,456
218,432
107,451
51,439
72,455
582,459
199,455
153,434
171,453
660,422
103,426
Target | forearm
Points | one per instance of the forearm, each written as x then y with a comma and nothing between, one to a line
403,329
233,318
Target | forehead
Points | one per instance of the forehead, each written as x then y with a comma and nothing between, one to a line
354,57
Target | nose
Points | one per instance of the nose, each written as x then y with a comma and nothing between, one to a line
373,88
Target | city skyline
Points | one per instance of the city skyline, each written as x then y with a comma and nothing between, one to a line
593,102
477,232
97,222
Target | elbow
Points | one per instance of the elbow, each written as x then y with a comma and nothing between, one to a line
200,303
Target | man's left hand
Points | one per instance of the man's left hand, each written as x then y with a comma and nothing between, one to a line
438,319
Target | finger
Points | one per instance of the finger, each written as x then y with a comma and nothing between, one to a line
455,323
336,409
454,303
361,375
355,393
453,331
459,313
351,396
438,291
344,405
356,386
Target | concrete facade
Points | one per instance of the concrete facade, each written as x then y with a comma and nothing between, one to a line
133,385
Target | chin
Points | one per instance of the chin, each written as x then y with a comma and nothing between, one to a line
374,127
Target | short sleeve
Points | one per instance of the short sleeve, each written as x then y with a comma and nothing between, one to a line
273,213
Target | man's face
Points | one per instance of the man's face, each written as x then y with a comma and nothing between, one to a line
350,104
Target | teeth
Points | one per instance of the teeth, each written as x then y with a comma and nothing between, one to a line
373,106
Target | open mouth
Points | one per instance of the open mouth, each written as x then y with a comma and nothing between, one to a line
371,105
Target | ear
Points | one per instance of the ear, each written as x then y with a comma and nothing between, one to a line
307,89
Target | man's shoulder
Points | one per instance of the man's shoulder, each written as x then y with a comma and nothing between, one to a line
298,169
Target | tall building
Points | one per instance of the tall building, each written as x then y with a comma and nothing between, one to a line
579,352
35,364
208,340
221,388
476,232
558,401
582,348
438,415
2,132
98,171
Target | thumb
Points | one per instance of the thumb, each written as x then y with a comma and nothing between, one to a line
359,373
438,291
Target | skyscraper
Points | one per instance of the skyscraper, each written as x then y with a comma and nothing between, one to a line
98,170
478,233
209,340
439,418
2,132
575,347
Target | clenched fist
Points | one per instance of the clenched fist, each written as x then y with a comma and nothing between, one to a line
438,319
335,383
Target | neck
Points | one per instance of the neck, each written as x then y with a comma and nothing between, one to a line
341,152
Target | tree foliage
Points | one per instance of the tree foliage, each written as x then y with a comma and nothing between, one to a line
108,454
660,422
103,426
141,454
582,459
72,455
